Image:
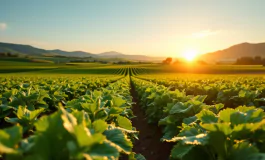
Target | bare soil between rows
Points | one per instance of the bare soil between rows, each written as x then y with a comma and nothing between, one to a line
149,144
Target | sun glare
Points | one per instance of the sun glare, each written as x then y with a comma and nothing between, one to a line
190,54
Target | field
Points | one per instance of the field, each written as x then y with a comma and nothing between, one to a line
131,112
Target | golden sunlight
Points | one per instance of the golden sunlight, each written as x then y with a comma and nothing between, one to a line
190,54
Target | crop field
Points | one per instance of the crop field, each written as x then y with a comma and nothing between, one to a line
130,112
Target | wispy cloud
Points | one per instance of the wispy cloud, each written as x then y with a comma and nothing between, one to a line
3,26
204,33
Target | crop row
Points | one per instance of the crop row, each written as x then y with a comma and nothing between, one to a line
201,131
230,92
131,71
66,118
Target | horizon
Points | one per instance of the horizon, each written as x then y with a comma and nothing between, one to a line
151,28
183,57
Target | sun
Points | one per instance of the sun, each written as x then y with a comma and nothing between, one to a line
190,54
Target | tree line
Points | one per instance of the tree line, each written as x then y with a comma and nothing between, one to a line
257,60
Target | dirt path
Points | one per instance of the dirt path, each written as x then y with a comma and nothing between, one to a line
149,144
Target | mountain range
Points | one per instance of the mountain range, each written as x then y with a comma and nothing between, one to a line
236,51
231,53
33,51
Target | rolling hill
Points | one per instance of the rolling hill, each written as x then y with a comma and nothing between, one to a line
72,54
33,51
110,54
114,54
22,49
236,51
228,54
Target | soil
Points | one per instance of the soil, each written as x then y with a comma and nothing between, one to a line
149,144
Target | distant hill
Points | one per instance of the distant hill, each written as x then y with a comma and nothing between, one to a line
236,51
111,54
114,54
23,49
72,54
33,51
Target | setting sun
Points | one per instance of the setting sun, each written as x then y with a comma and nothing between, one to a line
190,54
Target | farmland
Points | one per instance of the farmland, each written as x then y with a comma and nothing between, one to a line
133,111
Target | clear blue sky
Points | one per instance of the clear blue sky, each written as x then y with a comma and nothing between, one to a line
150,27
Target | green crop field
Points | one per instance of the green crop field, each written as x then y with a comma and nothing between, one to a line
75,111
132,80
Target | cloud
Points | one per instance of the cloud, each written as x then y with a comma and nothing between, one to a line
3,26
204,33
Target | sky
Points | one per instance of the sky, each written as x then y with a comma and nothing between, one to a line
149,27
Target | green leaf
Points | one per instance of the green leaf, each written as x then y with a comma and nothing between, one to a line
52,135
219,106
102,150
43,123
139,157
101,114
134,156
246,130
190,120
119,140
191,135
245,108
69,121
218,141
200,98
255,115
118,101
170,131
170,119
198,153
84,137
97,93
179,151
12,120
246,115
242,94
224,115
115,110
225,128
200,139
9,138
242,151
89,107
179,108
82,134
34,114
216,108
238,118
24,114
99,126
206,116
124,122
20,112
82,118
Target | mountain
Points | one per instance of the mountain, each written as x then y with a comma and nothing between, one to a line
72,54
33,51
111,54
236,51
22,49
114,54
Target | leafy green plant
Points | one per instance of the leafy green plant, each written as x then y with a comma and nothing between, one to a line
25,117
96,125
230,134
